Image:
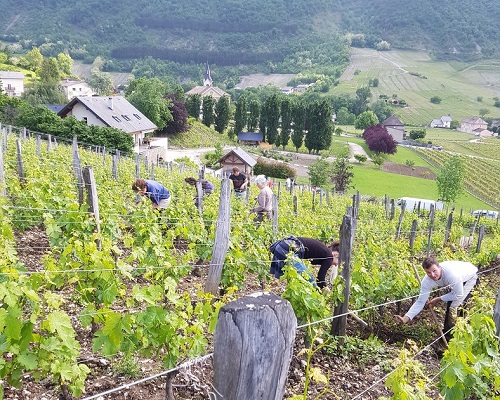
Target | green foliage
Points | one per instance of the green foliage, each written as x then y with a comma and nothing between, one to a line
342,172
221,114
361,158
319,171
307,302
472,361
408,380
208,111
366,119
436,100
450,179
273,169
148,96
417,134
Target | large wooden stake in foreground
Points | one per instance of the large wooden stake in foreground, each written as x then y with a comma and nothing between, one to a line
221,239
253,347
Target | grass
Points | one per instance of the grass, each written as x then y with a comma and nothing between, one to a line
199,135
370,180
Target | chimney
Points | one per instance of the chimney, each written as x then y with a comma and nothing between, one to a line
110,103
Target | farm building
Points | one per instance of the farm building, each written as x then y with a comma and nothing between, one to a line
250,138
236,158
395,128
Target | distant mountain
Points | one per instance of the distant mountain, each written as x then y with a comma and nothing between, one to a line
294,33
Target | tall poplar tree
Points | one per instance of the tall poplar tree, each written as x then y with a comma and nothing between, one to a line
253,116
272,118
286,121
240,115
208,110
299,121
222,114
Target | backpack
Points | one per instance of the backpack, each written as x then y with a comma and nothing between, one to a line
280,250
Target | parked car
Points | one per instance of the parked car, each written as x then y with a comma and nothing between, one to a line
486,213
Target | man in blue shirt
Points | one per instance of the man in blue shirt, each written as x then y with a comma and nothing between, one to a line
154,191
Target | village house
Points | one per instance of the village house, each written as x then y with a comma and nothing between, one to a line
443,122
395,128
475,126
12,83
110,111
73,88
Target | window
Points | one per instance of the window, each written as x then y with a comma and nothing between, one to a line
137,116
115,117
126,117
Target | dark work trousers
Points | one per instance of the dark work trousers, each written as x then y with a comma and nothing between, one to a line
449,320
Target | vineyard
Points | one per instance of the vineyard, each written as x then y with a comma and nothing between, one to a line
84,294
482,174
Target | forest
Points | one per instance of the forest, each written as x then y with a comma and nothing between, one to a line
276,34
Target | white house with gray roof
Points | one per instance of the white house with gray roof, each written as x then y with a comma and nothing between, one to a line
12,83
443,122
110,111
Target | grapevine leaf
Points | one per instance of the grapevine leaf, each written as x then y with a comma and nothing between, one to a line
28,360
317,376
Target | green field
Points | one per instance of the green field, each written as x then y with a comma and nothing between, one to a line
458,84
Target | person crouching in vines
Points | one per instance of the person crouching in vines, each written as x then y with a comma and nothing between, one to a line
304,248
206,186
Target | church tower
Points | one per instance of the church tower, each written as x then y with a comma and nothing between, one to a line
207,79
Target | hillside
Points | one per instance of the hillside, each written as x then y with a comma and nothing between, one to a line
464,88
277,33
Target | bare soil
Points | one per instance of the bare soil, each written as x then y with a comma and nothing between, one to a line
418,172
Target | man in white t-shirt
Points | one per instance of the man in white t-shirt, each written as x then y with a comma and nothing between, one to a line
458,276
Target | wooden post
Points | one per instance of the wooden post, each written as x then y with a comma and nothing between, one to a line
199,196
401,216
221,239
295,205
413,234
77,170
448,226
88,176
496,314
152,171
2,174
314,200
275,216
431,227
20,164
480,238
253,348
393,210
347,230
49,143
38,145
114,166
137,169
